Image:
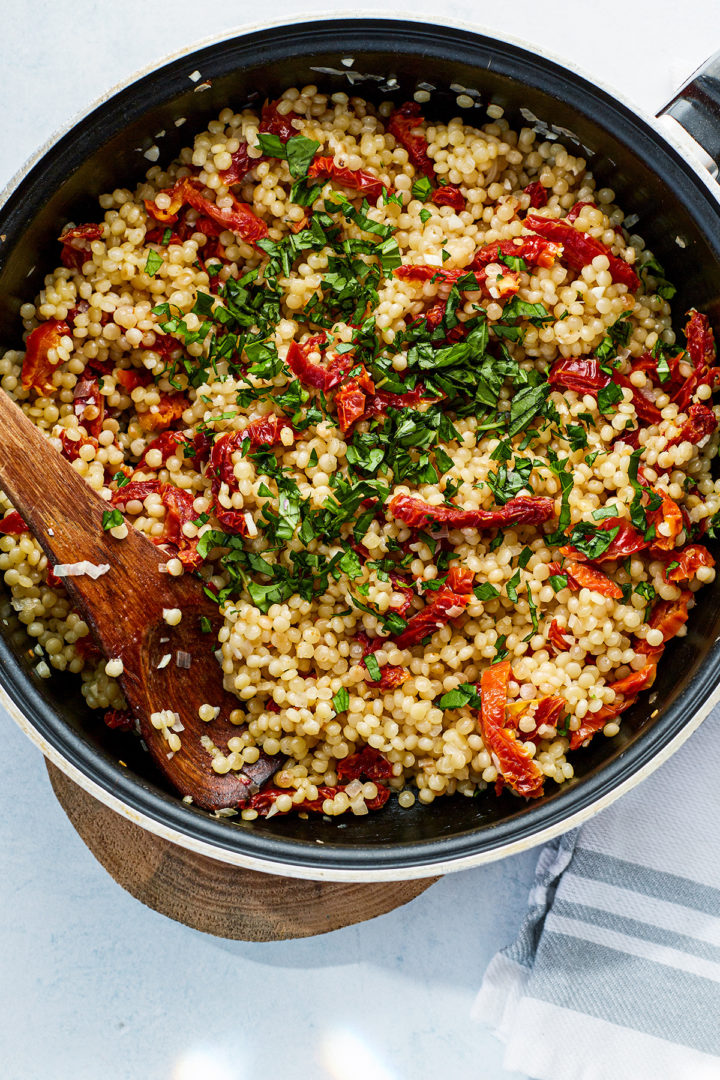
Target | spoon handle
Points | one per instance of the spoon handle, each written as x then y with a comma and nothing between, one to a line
66,517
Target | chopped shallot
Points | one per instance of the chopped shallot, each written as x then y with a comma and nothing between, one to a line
81,569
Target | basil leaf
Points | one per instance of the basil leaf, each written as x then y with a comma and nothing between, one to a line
341,700
299,152
608,397
511,587
271,145
111,519
486,591
422,189
373,668
558,582
153,264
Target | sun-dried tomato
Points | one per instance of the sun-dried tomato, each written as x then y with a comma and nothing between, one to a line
556,638
179,511
460,579
538,194
700,422
700,342
12,524
507,284
240,165
202,446
390,677
667,616
119,719
574,211
325,168
582,374
689,560
518,769
158,236
131,378
76,249
594,722
89,404
701,354
447,603
266,430
426,272
277,123
71,447
579,249
161,416
627,541
534,250
263,800
379,402
637,681
238,218
368,764
670,517
647,411
449,195
169,444
318,375
402,126
234,522
135,490
549,711
87,650
37,366
584,576
522,510
351,398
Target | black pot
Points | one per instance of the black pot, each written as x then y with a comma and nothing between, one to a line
676,203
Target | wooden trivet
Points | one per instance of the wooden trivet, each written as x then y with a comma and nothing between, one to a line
212,896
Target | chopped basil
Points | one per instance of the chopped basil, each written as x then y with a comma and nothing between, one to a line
121,479
590,540
606,511
558,582
464,694
524,557
153,264
373,668
271,145
299,152
341,700
205,624
111,519
486,591
511,587
422,189
533,610
647,591
500,650
608,397
617,337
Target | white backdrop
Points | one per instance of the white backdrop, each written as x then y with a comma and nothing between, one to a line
95,986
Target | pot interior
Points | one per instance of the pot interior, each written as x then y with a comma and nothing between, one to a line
678,217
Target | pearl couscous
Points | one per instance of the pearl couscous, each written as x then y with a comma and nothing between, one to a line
407,396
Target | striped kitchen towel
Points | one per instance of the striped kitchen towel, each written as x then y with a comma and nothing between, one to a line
615,973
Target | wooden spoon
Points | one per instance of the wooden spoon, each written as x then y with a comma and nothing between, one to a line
124,610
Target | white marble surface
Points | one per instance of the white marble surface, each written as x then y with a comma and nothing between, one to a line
94,985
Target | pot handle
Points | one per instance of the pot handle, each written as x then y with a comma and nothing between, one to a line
696,107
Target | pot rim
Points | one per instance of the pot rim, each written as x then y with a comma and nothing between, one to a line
296,863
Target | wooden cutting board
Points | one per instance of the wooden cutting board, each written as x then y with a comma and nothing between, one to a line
212,896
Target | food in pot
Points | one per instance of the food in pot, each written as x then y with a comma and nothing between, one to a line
407,396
